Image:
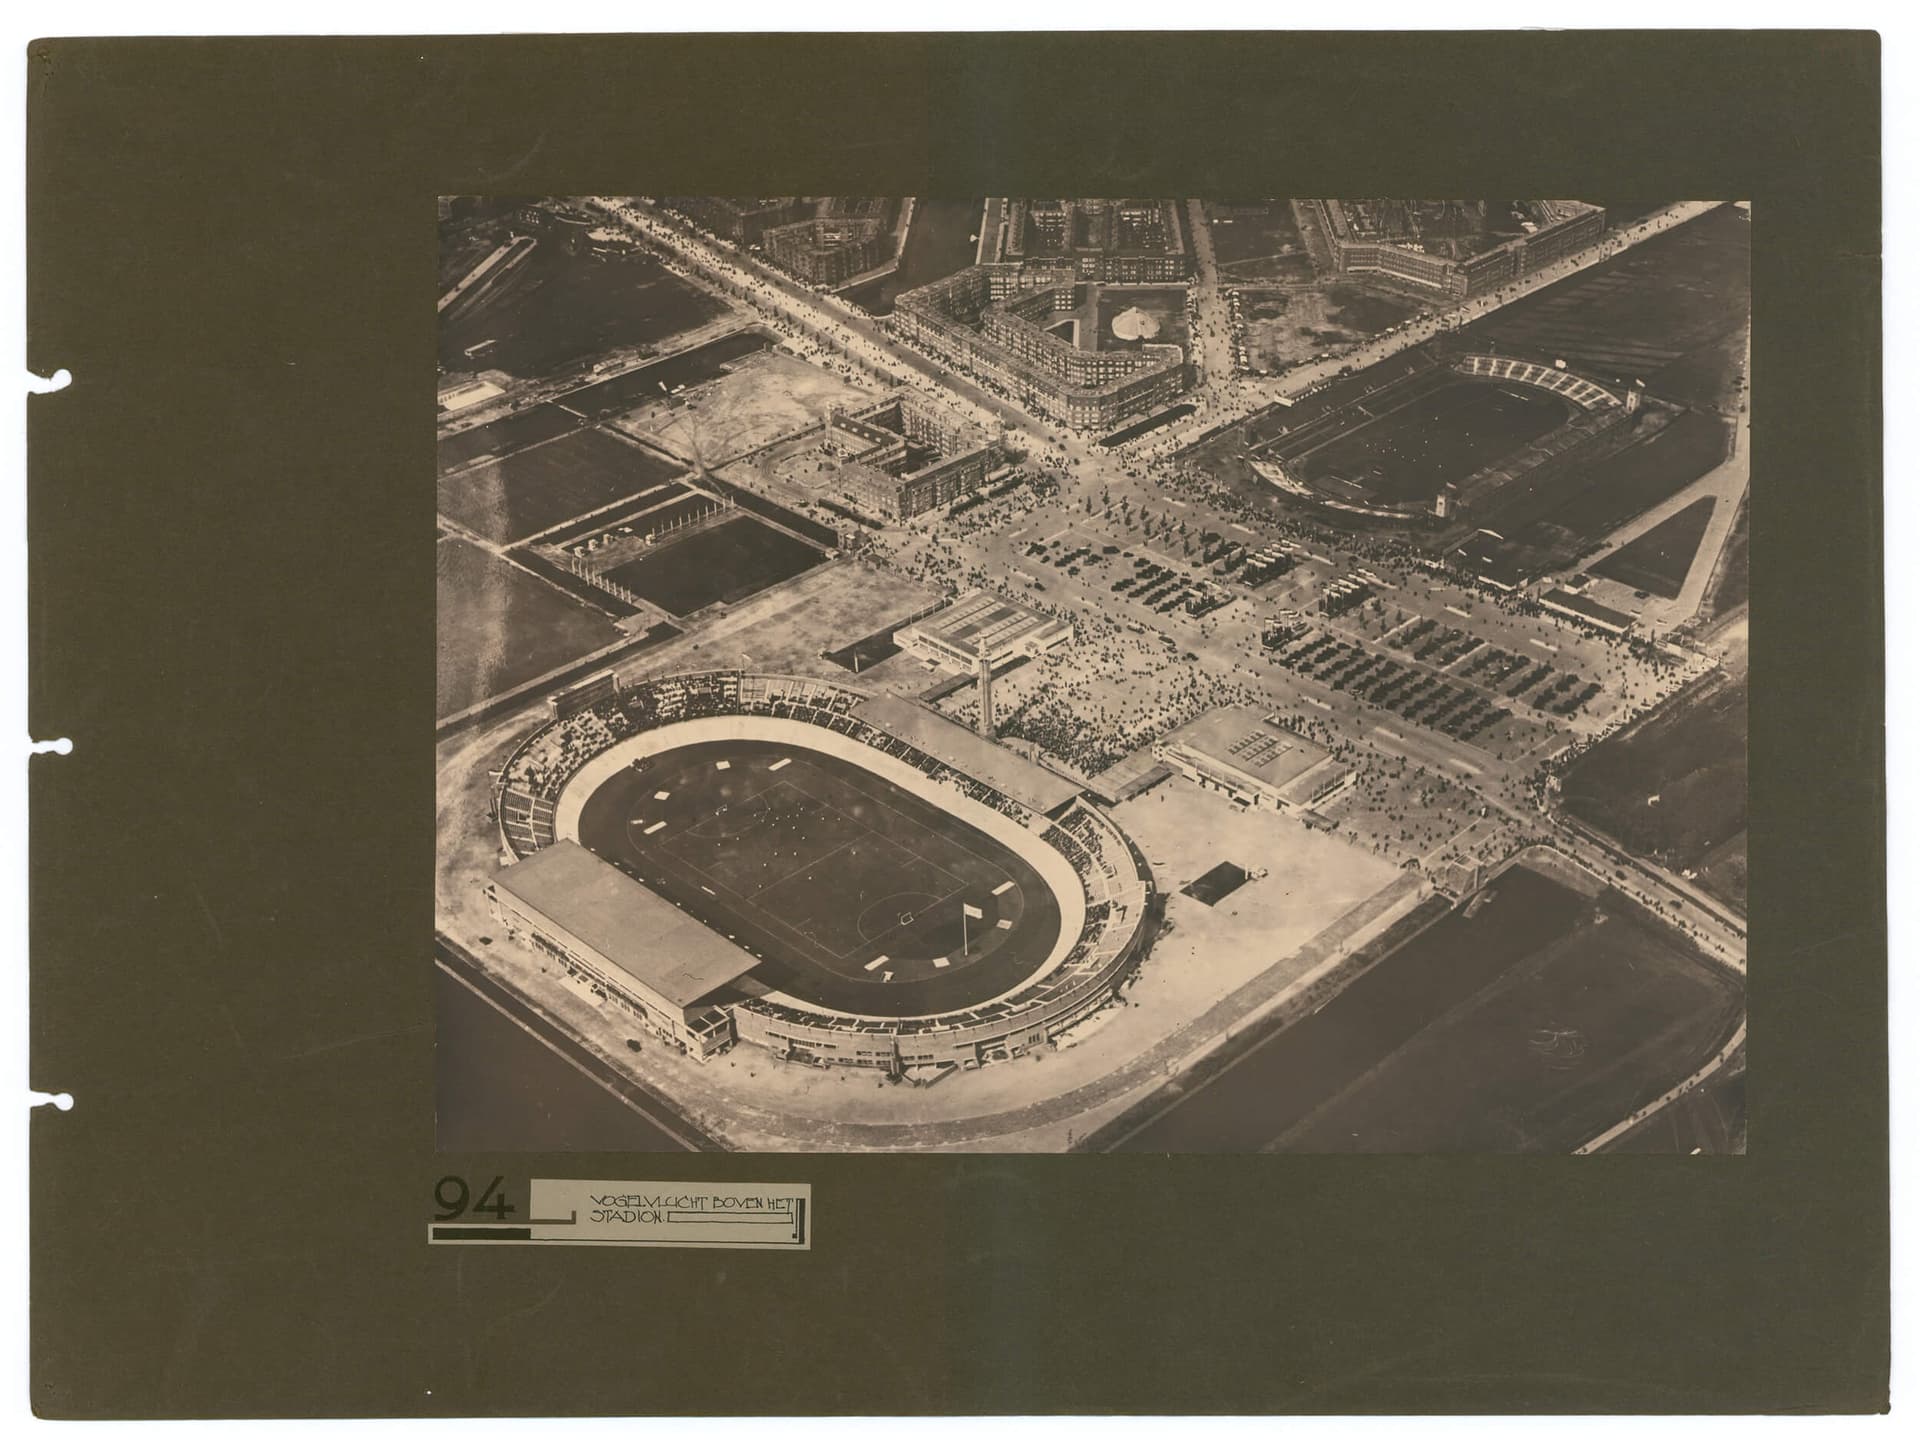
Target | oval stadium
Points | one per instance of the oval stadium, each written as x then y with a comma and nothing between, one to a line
840,878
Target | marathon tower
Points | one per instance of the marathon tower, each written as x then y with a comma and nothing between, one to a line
986,697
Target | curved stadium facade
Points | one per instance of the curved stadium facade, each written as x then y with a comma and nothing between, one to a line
692,995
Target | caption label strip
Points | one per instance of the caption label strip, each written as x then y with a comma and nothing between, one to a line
545,1211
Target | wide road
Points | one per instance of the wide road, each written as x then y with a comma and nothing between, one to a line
657,1126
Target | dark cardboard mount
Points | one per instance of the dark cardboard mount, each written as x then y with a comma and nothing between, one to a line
231,247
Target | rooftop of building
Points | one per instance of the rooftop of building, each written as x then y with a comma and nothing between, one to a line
1029,784
639,933
1587,608
981,622
1244,740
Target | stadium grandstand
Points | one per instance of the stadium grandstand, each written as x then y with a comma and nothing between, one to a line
1103,884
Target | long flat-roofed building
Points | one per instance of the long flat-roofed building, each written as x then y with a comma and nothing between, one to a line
1032,786
621,943
1241,753
982,627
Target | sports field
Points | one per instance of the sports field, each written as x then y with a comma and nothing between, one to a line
532,490
1443,436
759,400
1528,1022
724,563
497,626
1663,311
849,889
508,435
564,307
1566,1042
1658,560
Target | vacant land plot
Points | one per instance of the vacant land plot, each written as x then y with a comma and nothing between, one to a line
497,626
1658,561
533,490
562,308
1258,242
762,398
1673,787
724,563
849,889
1285,325
509,435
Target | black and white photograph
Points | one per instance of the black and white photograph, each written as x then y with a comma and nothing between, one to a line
1127,674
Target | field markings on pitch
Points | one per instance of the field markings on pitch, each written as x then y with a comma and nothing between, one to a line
662,794
781,765
877,963
655,826
1002,889
1003,925
941,962
722,764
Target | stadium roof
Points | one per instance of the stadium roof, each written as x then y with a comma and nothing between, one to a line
955,745
638,932
1242,740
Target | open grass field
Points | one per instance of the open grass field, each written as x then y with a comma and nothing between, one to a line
497,626
1443,436
760,399
509,435
1663,311
1566,1041
565,307
848,888
724,563
1258,242
1674,786
1658,560
530,491
1528,1023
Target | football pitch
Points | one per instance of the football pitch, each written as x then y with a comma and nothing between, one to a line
1445,436
856,895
